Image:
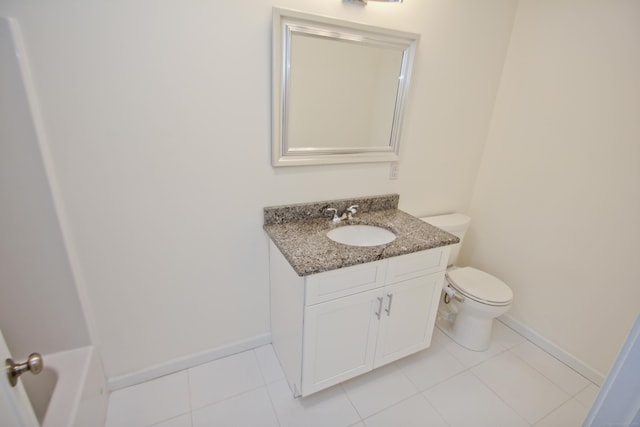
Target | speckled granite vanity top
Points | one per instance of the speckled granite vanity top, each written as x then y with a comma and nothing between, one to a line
300,232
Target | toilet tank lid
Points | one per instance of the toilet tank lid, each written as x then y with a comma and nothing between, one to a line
448,221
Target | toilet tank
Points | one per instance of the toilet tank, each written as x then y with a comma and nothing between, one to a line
455,224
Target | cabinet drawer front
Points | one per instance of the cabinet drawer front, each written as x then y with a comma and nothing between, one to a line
345,281
417,264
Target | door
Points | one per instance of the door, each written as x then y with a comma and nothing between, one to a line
408,317
15,408
339,339
618,402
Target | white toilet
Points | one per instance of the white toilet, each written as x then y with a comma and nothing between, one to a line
471,298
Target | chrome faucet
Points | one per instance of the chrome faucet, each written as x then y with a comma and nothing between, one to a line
337,218
347,214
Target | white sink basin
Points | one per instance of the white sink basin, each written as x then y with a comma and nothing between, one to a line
361,235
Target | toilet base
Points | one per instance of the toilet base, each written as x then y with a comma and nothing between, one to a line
470,332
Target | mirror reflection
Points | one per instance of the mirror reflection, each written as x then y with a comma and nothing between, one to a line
339,90
322,72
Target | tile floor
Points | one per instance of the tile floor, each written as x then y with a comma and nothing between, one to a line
512,384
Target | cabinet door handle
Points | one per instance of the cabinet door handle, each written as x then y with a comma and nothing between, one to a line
388,309
379,307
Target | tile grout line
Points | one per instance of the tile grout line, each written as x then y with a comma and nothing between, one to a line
403,400
435,408
177,415
419,392
589,382
189,395
469,369
230,397
501,399
507,403
351,403
266,387
509,349
466,369
257,359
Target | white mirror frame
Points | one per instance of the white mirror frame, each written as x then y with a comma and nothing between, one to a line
288,22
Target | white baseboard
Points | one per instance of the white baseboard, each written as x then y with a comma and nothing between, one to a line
186,362
192,360
554,350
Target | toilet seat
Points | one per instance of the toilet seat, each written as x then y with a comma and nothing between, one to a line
480,286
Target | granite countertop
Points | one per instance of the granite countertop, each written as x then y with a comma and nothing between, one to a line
304,242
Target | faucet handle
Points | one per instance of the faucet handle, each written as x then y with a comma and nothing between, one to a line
352,210
335,213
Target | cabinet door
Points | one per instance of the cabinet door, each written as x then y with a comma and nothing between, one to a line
408,316
339,339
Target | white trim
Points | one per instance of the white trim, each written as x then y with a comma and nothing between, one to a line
176,365
554,349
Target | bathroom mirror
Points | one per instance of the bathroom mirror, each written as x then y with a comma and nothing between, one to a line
339,90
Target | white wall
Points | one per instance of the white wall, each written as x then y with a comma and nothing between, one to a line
556,206
158,118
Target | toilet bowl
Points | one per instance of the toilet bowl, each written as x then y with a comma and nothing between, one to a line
475,299
471,297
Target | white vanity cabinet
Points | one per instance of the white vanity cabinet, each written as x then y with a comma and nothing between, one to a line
332,326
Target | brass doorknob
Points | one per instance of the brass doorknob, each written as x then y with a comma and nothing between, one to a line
33,364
